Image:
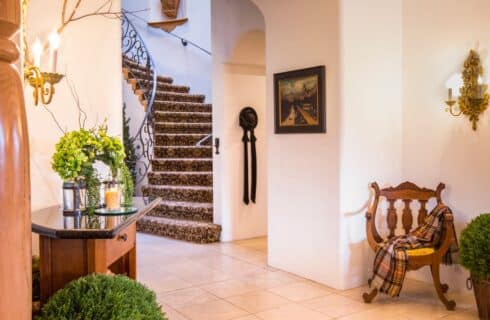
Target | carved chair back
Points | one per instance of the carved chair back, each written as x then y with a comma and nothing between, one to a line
406,193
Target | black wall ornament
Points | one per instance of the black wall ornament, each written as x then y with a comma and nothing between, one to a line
248,122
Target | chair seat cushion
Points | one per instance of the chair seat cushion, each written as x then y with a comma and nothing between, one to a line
420,252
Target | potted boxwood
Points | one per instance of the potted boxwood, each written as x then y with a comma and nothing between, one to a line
475,256
103,297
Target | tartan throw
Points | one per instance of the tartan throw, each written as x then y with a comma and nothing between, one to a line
391,260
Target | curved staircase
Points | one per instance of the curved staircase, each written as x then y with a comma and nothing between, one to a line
181,168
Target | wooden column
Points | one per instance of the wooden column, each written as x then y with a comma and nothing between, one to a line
15,221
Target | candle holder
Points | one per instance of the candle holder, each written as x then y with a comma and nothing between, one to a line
473,99
112,195
43,83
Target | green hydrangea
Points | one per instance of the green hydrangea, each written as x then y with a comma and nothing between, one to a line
111,151
75,154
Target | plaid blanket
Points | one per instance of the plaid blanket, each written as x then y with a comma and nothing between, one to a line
391,260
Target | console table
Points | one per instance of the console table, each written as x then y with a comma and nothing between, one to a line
71,247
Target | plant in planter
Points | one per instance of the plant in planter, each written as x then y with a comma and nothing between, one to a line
73,160
103,297
475,256
112,154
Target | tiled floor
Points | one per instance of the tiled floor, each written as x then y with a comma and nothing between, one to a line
232,281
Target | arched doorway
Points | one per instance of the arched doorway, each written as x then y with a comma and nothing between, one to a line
239,80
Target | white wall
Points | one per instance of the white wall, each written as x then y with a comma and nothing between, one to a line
370,120
238,81
90,54
186,65
303,169
437,147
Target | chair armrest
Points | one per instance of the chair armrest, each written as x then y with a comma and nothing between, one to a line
371,233
448,236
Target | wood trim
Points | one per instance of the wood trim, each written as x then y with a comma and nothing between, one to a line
15,219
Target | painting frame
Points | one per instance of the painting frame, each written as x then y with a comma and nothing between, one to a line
293,116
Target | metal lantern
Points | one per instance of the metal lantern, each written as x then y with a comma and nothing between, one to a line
74,198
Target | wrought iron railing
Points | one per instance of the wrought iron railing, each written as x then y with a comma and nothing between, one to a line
134,53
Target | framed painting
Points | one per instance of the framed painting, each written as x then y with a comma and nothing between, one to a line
299,101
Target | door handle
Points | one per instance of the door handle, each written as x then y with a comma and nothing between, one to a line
216,145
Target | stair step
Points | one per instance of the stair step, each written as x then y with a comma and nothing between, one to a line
133,64
184,210
183,127
139,83
181,97
175,106
143,74
181,139
182,178
194,231
183,152
179,193
166,116
182,165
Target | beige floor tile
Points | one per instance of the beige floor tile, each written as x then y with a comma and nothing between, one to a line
251,317
336,305
184,297
172,314
214,310
462,315
165,283
269,279
232,281
257,301
301,291
229,288
292,312
377,313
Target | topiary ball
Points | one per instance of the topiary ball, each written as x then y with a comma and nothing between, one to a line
475,246
103,297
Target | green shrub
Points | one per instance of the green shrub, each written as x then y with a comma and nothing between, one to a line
475,246
103,297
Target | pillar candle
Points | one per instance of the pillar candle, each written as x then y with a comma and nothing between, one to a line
112,199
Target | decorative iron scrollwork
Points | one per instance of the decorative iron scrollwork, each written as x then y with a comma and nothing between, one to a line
135,52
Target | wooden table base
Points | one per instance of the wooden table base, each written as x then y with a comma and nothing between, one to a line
64,260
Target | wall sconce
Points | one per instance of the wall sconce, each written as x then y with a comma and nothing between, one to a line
473,97
42,82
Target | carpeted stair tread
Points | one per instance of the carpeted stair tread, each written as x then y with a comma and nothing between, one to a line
179,193
197,165
183,127
181,97
140,74
184,210
181,178
194,231
181,139
165,86
168,116
183,152
176,106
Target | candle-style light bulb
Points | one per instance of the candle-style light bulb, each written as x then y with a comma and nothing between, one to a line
450,94
37,50
54,44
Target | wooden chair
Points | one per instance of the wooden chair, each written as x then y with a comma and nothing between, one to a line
417,258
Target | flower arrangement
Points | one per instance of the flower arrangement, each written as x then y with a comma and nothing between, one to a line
75,156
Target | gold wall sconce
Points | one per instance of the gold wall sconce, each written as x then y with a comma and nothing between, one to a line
43,83
473,97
